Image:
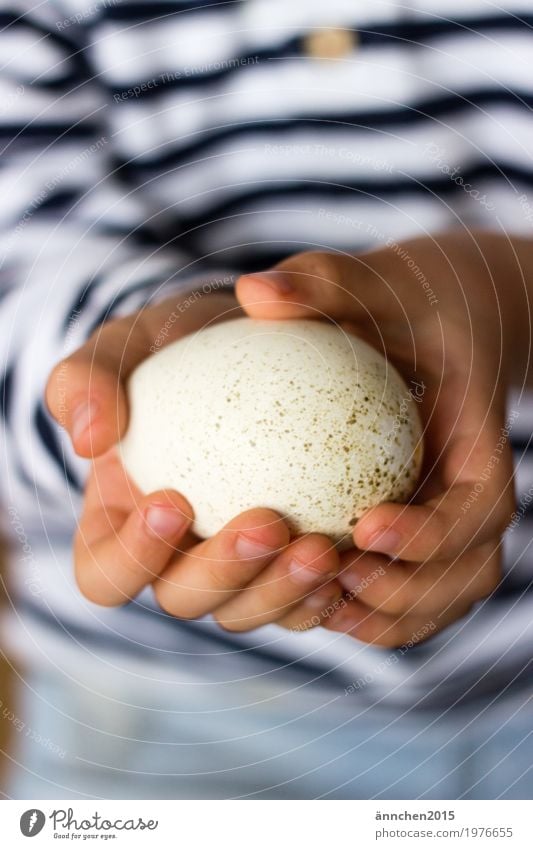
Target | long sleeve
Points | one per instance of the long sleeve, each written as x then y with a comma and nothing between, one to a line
77,244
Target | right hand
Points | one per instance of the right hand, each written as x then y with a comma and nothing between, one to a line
440,554
248,575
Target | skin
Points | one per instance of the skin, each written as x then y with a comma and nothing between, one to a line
126,541
414,569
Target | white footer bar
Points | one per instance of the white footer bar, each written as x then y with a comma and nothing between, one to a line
267,824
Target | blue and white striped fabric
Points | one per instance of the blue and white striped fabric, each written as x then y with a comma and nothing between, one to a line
147,143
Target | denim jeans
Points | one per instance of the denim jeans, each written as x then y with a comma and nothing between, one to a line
118,738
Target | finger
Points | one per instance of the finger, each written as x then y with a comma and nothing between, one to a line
85,392
117,555
474,507
109,486
303,566
316,608
382,629
317,284
427,589
205,576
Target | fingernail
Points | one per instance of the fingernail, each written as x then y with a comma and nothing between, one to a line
82,418
164,522
385,540
302,575
249,549
277,280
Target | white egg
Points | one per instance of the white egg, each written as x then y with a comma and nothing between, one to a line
297,416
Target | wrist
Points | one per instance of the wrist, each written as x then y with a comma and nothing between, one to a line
509,266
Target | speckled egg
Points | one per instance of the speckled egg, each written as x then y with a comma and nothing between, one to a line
298,416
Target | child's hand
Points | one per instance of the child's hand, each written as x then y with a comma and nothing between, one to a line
249,574
433,309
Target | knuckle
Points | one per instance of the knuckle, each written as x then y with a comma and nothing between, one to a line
428,538
324,270
319,264
216,575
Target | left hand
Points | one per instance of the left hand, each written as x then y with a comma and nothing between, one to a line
419,567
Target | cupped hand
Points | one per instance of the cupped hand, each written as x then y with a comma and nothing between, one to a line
432,307
249,574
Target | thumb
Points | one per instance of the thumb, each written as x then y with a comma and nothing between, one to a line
315,284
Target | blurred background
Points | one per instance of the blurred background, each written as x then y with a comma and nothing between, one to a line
7,698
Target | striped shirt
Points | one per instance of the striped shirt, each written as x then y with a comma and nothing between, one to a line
149,145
